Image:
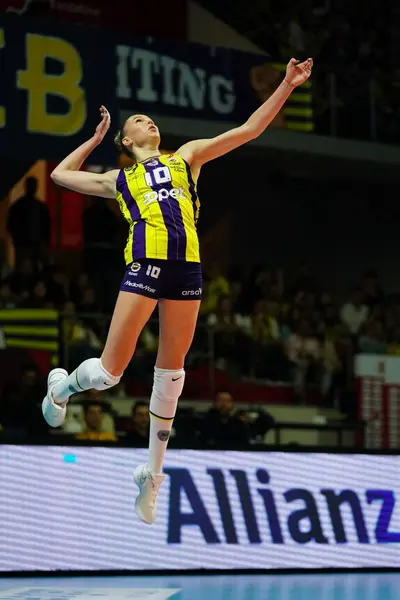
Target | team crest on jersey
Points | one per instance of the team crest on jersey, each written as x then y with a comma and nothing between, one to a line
135,267
152,163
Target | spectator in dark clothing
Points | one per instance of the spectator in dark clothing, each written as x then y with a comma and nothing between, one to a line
138,436
29,224
7,298
20,406
22,279
101,252
221,426
39,297
57,285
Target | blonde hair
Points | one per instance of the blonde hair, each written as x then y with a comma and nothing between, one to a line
119,136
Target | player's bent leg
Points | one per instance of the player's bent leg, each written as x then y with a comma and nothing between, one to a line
177,325
131,313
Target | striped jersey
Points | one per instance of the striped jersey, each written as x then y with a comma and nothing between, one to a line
158,198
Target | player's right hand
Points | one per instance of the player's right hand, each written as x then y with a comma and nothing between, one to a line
104,124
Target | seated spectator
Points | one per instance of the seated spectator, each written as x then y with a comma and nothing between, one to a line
305,353
79,283
265,326
269,359
221,426
354,312
304,281
138,436
81,342
57,285
107,423
38,298
93,429
20,405
216,285
75,419
373,340
371,289
232,334
393,348
22,279
7,298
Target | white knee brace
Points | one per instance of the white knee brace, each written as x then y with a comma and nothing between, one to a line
167,388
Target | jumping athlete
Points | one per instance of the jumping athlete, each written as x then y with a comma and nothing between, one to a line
158,198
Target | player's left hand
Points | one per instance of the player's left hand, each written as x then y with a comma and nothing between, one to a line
297,72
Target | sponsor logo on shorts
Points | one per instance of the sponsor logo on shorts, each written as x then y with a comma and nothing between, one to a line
192,292
135,267
140,286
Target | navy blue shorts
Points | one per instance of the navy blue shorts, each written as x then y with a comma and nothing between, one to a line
164,279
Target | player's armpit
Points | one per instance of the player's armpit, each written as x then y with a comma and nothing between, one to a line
199,152
93,184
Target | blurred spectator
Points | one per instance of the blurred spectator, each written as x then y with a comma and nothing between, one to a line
216,285
38,298
57,285
221,426
305,353
7,298
354,312
232,334
371,289
79,284
80,341
93,429
101,251
373,341
20,405
303,281
138,436
29,224
268,356
22,279
265,325
393,348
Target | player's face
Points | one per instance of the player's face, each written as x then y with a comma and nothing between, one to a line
141,131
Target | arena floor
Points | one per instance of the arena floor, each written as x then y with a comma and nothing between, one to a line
263,587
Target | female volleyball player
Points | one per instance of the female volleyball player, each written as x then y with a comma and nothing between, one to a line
158,197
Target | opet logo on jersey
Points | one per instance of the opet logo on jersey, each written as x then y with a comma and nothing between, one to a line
163,194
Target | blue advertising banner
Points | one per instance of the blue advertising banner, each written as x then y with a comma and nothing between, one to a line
54,79
202,82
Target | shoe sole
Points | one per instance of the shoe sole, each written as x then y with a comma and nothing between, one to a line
137,509
47,403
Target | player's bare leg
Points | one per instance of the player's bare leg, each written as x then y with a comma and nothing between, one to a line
177,326
131,314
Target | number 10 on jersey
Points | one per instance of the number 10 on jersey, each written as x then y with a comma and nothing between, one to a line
157,176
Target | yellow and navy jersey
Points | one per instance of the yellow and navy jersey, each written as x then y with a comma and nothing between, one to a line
158,198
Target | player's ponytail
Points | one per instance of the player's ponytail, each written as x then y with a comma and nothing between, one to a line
120,146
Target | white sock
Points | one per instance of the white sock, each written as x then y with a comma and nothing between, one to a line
90,374
167,388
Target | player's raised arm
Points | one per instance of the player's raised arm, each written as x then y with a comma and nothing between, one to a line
198,152
68,175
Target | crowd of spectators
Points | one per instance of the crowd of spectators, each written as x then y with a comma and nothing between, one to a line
355,46
358,44
92,417
263,327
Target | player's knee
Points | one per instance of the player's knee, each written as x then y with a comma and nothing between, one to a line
168,384
92,374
